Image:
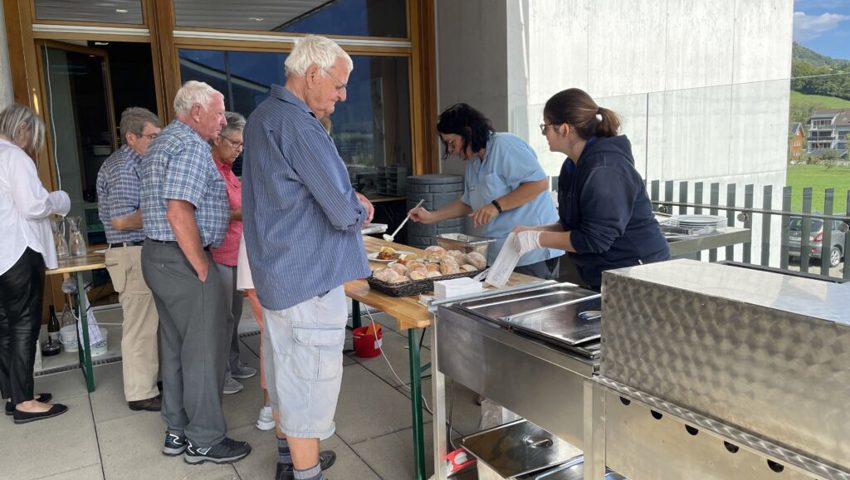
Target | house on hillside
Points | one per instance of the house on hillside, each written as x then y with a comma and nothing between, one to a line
829,130
796,139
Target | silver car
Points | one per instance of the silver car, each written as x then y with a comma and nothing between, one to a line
836,249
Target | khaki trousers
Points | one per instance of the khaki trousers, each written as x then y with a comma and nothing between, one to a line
138,342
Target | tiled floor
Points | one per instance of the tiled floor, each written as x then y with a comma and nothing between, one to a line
100,438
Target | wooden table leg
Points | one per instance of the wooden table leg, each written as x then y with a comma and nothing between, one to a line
416,404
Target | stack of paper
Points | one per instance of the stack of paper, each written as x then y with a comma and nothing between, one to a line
455,287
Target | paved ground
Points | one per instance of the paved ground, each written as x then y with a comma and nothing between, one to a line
100,438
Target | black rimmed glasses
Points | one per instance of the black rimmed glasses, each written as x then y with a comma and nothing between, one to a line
149,136
448,147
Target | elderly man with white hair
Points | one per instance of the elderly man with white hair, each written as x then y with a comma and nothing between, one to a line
185,212
302,223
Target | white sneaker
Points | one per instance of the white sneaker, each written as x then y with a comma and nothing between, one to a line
265,421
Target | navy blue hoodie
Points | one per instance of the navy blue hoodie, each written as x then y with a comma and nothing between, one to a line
602,200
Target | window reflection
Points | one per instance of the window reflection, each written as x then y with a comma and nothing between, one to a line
376,18
371,129
115,11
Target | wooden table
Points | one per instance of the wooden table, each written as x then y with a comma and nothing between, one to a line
410,315
76,266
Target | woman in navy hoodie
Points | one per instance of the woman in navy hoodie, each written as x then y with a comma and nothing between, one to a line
605,216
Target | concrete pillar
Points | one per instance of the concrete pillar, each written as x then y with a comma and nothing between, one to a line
6,95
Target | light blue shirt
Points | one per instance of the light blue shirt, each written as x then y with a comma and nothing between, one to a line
508,163
301,217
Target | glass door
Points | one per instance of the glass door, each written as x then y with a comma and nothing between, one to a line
81,124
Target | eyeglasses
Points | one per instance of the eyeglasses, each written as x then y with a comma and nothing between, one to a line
234,143
342,85
543,127
448,147
149,136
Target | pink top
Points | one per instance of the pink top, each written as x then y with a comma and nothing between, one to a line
228,252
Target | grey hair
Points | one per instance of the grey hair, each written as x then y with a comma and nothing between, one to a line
17,116
315,50
133,120
193,92
235,122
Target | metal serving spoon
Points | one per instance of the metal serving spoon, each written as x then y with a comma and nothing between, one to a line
390,238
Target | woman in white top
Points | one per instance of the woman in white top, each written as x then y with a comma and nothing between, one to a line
26,248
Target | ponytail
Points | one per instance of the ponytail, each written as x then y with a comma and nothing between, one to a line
576,108
609,123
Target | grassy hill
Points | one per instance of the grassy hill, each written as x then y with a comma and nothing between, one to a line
803,104
819,178
816,74
803,54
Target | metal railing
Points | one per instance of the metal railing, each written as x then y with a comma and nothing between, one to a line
762,217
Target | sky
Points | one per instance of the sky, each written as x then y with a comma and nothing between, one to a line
823,26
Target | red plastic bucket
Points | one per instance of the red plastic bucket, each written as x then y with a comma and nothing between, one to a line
367,344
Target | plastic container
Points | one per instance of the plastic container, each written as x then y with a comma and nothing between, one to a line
367,341
68,337
101,347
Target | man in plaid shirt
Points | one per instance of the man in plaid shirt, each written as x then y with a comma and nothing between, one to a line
118,183
185,212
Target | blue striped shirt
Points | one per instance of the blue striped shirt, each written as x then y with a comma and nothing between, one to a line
178,165
118,182
301,217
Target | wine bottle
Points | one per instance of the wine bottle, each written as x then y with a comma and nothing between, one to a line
53,328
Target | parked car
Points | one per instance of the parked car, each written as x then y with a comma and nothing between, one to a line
836,250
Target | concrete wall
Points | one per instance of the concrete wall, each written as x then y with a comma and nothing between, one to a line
6,94
702,88
472,55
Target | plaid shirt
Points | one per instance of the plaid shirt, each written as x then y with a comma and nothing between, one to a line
118,184
178,165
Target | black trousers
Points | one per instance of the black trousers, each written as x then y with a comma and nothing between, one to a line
21,294
545,269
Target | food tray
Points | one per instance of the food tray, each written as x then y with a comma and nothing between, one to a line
464,243
413,287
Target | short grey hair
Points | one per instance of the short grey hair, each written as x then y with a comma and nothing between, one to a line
193,92
315,50
17,116
235,123
133,120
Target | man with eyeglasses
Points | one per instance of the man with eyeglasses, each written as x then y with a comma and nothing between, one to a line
118,206
302,223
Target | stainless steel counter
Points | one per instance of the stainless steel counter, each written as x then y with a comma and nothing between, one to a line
532,376
722,237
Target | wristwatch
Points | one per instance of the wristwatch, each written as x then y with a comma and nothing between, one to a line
496,204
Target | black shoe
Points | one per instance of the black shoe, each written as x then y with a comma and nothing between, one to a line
151,404
41,397
225,451
25,417
174,444
285,471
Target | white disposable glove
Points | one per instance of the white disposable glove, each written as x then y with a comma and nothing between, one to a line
527,241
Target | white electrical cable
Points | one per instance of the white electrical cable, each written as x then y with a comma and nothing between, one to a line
387,360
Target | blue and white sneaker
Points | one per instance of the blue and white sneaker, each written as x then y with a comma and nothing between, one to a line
225,451
174,444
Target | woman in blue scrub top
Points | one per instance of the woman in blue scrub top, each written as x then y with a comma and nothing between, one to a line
504,186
